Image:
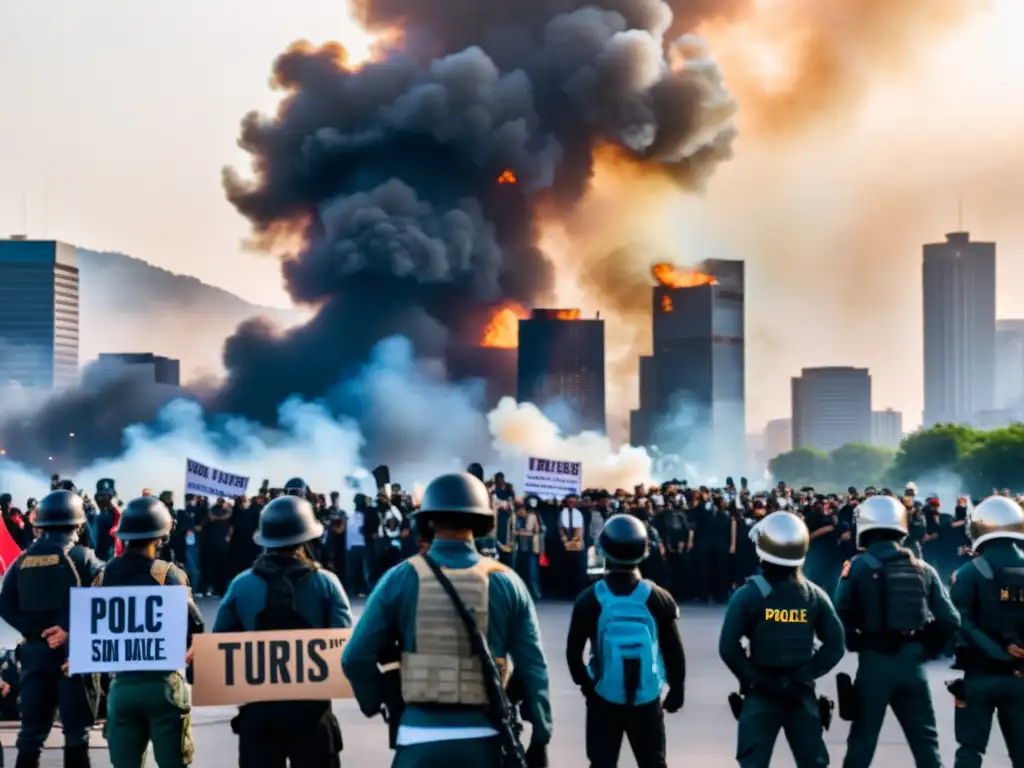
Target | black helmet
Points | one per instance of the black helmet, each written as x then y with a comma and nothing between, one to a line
459,494
296,487
287,521
624,541
60,509
143,519
105,487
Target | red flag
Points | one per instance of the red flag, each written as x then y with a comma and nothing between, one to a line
9,550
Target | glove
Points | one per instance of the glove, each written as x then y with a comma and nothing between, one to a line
674,700
588,691
537,756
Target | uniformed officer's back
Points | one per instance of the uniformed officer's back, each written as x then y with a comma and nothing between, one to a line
35,599
442,680
286,590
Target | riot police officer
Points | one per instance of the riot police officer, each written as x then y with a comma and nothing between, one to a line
35,600
148,706
296,487
781,614
989,593
632,627
286,589
897,615
442,685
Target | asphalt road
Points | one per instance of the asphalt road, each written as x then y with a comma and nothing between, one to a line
703,734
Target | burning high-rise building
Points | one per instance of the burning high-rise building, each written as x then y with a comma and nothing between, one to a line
691,387
561,363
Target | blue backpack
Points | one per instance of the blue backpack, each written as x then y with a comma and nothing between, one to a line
627,638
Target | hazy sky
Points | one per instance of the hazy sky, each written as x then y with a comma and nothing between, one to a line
119,115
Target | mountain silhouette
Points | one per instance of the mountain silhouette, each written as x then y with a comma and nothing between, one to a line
128,305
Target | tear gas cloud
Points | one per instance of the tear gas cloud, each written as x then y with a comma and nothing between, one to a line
378,184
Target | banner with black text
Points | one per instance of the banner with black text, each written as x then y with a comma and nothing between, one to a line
202,480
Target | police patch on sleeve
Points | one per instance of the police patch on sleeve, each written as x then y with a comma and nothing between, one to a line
846,570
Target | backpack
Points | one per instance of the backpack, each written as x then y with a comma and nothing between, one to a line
626,664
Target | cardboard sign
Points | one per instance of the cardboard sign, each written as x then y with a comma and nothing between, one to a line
127,629
282,665
202,480
552,479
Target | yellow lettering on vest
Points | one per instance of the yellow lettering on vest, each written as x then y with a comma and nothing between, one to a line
786,615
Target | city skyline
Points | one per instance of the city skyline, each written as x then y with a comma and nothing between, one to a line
126,192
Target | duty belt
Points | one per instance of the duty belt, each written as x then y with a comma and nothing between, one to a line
890,643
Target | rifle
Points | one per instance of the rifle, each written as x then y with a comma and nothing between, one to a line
502,714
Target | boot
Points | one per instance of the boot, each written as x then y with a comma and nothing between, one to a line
76,757
27,760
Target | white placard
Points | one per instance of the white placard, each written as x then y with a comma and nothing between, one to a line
127,629
552,479
202,480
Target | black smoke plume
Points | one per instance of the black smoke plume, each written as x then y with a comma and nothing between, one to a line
388,174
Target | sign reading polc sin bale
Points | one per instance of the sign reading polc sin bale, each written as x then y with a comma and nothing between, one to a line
236,668
127,629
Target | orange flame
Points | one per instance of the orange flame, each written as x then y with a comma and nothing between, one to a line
673,277
567,314
502,332
666,304
507,177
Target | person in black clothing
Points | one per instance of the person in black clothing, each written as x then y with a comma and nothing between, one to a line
675,531
624,544
215,562
245,521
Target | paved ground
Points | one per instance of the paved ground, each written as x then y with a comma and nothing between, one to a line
703,734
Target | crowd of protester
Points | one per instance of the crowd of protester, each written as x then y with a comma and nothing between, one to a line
700,543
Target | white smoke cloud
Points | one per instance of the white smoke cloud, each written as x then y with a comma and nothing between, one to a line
434,427
520,430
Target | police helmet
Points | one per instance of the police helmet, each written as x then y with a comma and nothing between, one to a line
781,539
881,513
459,495
287,521
143,519
105,487
623,541
60,509
296,487
997,517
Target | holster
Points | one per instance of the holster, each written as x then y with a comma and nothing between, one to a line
825,707
849,705
736,704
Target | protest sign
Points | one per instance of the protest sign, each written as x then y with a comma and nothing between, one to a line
552,479
281,665
202,480
127,629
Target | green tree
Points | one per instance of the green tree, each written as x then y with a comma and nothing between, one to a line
931,451
860,464
995,461
801,466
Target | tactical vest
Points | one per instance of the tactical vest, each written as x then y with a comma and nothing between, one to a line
46,573
282,575
1001,601
783,635
444,669
895,598
133,572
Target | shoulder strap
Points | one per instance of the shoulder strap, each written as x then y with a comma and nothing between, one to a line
762,585
601,592
984,567
98,581
873,562
642,592
501,708
159,571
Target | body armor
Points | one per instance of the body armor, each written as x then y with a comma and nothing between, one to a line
783,637
443,669
128,571
895,595
46,572
1001,600
282,575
